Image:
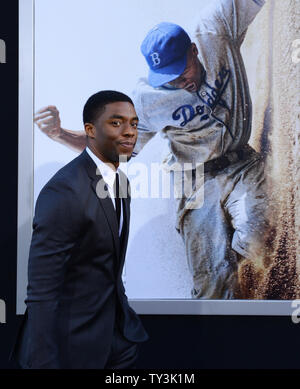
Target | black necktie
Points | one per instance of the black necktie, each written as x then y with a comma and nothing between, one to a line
117,198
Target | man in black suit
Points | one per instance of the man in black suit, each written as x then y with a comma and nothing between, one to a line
77,314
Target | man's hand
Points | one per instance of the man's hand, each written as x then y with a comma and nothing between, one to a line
48,121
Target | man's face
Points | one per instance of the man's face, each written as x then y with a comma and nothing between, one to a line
114,133
192,77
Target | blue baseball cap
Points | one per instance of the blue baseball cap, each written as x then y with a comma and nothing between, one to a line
165,49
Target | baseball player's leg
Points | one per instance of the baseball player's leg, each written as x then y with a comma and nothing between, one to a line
207,235
247,207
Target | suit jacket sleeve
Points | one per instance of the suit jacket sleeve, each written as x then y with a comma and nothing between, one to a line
56,228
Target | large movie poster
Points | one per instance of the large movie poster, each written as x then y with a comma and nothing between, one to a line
237,132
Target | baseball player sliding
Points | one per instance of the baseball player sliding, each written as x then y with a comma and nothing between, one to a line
197,95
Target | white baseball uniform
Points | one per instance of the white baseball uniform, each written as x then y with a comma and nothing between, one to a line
213,126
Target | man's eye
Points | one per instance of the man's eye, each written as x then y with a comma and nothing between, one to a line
134,125
116,123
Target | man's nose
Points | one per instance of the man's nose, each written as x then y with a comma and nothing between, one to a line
130,130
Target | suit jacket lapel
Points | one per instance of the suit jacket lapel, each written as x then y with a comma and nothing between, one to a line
98,186
126,216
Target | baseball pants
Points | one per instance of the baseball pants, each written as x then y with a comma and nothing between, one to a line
231,224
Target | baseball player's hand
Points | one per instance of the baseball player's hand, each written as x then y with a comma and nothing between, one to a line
48,121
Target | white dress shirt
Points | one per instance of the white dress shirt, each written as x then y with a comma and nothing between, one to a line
109,176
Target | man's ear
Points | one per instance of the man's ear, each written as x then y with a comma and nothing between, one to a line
194,49
89,130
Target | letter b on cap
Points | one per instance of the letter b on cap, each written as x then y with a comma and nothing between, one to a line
155,59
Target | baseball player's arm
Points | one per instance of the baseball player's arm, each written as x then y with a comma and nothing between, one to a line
228,17
237,15
145,130
48,121
144,136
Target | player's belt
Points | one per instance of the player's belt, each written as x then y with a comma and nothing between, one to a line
227,159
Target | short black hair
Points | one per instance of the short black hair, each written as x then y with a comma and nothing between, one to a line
95,104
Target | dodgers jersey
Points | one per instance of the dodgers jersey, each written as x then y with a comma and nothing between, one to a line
216,119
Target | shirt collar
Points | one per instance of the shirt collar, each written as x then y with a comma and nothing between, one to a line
108,173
